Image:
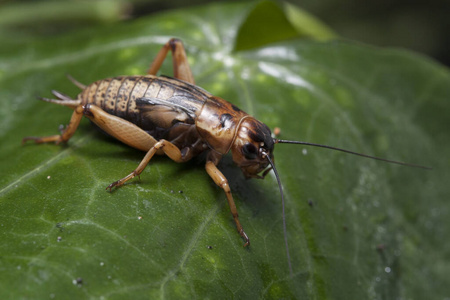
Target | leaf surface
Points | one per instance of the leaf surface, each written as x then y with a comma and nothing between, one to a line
357,228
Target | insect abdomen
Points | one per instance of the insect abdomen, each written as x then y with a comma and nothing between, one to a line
118,95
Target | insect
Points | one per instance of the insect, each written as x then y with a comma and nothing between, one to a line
173,116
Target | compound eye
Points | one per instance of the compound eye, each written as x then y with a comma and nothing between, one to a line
250,151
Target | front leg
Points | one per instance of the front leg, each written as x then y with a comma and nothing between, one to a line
222,181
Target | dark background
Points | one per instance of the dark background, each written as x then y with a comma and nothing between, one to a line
419,25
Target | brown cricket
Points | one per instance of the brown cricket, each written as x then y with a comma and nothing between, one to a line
173,116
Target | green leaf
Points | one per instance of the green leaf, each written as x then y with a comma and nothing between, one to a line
306,24
357,228
51,11
268,22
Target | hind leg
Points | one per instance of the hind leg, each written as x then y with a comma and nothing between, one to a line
65,135
161,146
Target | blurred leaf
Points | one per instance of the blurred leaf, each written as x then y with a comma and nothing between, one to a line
268,22
306,24
20,20
357,229
55,11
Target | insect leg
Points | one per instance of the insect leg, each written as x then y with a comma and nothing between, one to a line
181,69
222,182
166,147
66,134
119,128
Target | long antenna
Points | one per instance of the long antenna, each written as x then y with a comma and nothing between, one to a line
284,215
276,141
